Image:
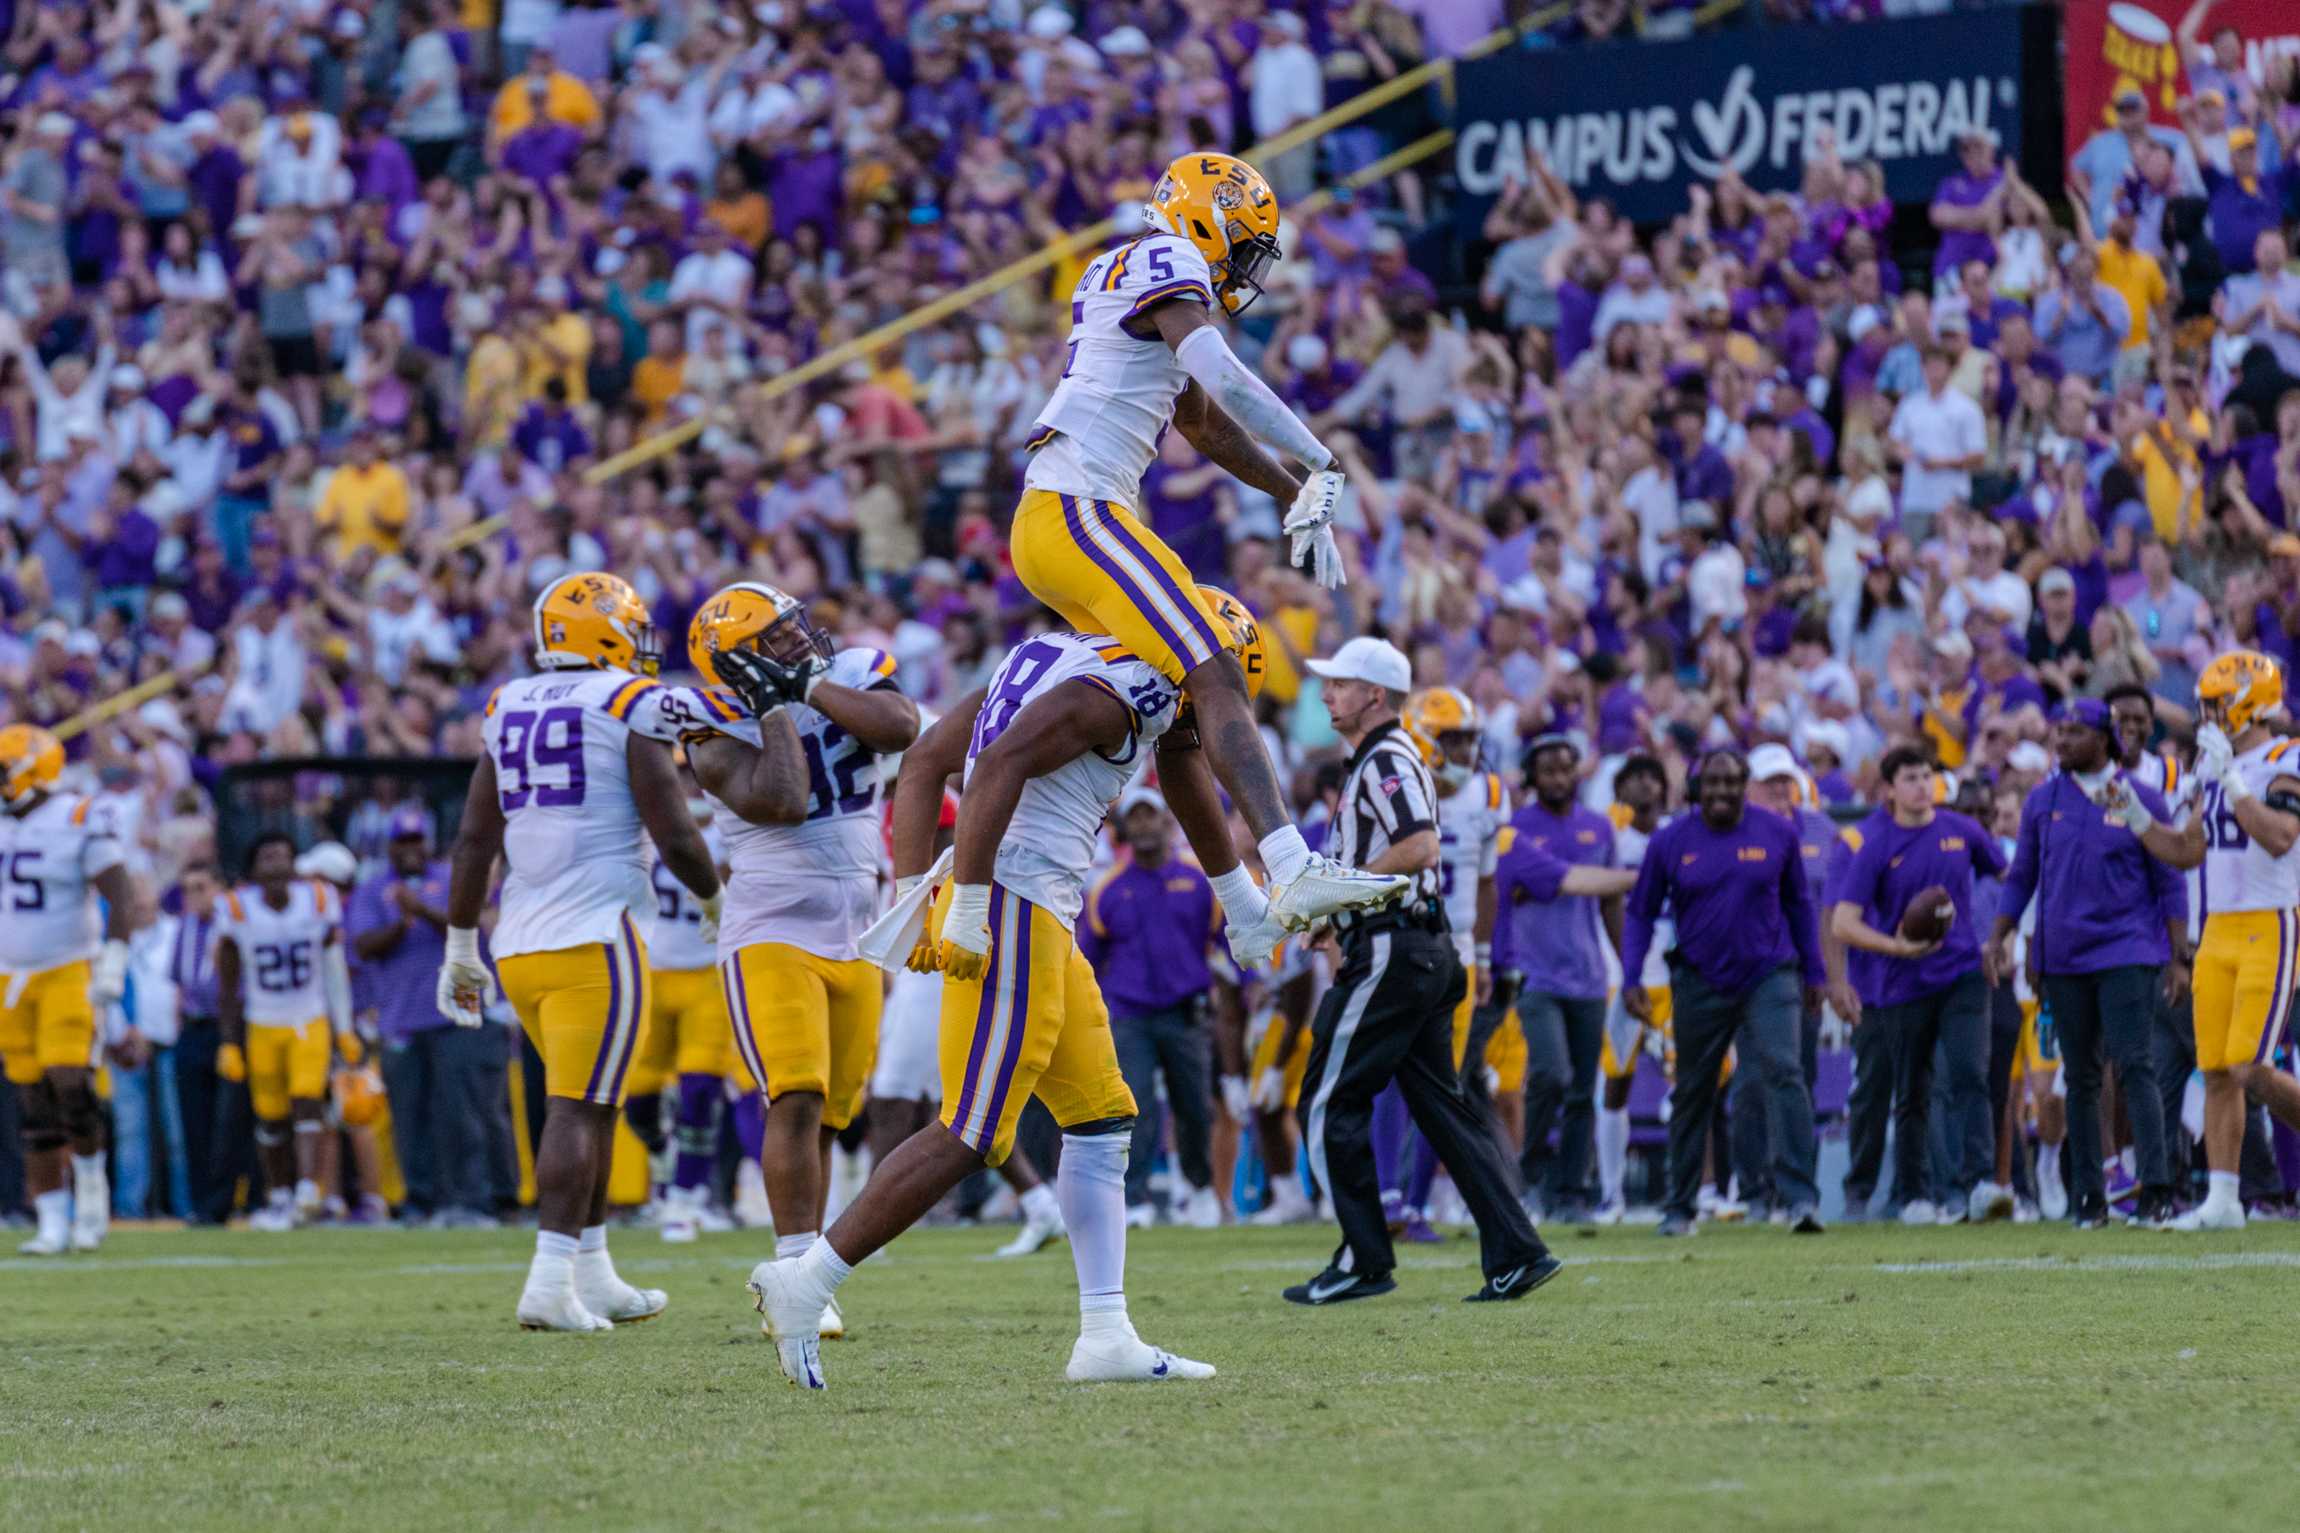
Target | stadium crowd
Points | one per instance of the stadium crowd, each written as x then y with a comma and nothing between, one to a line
322,320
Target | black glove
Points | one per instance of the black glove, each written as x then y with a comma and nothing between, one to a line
761,681
1506,985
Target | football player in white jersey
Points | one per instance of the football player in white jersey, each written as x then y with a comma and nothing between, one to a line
2246,825
686,1050
282,996
1144,356
59,968
1444,725
575,777
799,781
1045,749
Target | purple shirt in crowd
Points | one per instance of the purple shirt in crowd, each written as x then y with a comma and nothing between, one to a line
2102,900
1557,942
1961,245
1896,863
1146,932
1739,897
399,983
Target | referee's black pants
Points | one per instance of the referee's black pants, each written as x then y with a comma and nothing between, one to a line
1389,1017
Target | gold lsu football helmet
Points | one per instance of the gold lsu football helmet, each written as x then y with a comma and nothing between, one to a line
1432,715
32,760
1221,204
1242,634
2240,689
594,619
752,614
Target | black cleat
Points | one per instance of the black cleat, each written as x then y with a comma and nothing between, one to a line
1333,1286
1517,1282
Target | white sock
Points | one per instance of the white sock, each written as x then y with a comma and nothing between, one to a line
1039,1205
1091,1187
1612,1152
554,1263
1238,893
788,1246
88,1169
1284,855
307,1193
2222,1188
2126,1161
2047,1165
593,1238
822,1267
55,1212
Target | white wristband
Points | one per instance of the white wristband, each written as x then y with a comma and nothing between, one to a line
1482,955
463,944
969,906
2234,787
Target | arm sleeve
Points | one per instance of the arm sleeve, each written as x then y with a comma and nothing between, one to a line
335,974
1207,357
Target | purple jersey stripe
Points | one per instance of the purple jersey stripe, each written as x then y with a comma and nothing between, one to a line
1015,1030
638,1010
607,1034
1127,587
984,1014
1182,599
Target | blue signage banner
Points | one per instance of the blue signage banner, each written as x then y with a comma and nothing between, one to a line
1639,123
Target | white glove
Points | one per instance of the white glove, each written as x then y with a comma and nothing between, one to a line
110,980
1269,1093
2213,753
1310,524
712,904
966,932
1237,1101
465,985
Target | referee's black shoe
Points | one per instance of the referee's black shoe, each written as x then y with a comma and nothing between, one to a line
1333,1286
1517,1282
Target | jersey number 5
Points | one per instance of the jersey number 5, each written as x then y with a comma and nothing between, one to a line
540,757
30,894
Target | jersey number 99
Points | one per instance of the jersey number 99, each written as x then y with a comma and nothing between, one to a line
539,758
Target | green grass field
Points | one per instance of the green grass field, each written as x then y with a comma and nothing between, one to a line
2002,1377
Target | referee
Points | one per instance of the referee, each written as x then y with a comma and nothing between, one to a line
1389,1014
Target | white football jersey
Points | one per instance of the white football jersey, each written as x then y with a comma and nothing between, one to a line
50,859
280,983
574,850
1629,845
2238,874
1469,833
1116,396
1050,843
2162,771
678,941
815,884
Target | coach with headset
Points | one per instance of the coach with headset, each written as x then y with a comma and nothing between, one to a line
1389,1015
2110,914
1746,965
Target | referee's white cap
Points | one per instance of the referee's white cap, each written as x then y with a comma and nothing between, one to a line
1377,662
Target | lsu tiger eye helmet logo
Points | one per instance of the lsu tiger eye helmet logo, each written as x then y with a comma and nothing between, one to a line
594,619
1221,204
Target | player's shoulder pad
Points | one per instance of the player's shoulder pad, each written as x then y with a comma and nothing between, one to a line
861,667
626,694
1159,267
493,698
1493,791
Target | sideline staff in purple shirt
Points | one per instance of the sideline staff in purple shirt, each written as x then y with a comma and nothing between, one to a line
1926,995
2109,915
1746,937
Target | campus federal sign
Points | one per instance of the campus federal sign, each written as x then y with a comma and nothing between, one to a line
1639,123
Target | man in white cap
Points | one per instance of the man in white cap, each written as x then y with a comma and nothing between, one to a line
1389,1015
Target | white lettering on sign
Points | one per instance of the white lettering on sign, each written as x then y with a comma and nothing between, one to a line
1914,119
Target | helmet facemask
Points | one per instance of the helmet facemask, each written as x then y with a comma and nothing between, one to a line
1239,281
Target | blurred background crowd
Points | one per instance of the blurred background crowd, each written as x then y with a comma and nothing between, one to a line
331,327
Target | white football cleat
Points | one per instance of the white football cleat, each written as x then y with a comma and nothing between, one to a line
2052,1198
1919,1211
91,1221
46,1243
1035,1235
1608,1214
2208,1216
833,1326
1288,1204
1141,1216
713,1221
1203,1209
618,1303
680,1225
794,1320
273,1219
557,1309
1989,1201
1324,888
752,1210
1124,1358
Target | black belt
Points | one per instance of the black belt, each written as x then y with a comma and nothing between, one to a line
1425,915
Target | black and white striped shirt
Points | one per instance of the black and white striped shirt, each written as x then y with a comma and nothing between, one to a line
1387,797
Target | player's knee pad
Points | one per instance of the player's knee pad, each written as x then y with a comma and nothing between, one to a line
43,1118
